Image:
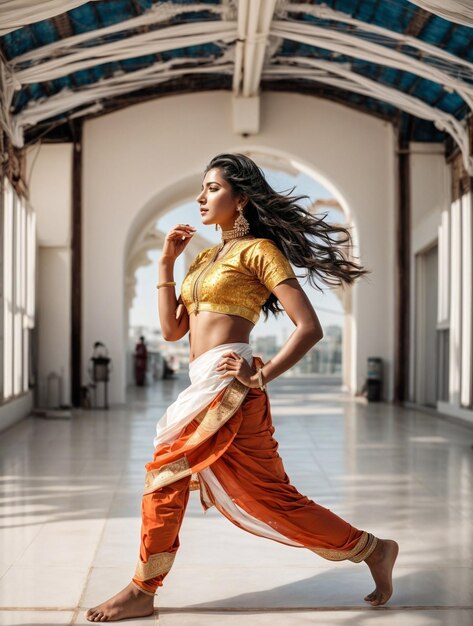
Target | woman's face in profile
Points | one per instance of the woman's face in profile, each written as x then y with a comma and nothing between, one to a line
217,202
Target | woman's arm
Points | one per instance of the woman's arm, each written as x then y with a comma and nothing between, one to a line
174,324
308,332
172,327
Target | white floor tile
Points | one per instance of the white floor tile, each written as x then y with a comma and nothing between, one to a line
51,587
310,618
34,618
71,519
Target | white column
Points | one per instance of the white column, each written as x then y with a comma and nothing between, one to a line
49,169
466,300
455,304
348,376
443,310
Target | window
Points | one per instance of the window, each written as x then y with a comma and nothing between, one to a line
18,232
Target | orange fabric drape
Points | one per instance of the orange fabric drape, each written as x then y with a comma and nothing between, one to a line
252,473
243,456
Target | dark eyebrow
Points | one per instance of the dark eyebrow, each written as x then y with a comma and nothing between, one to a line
212,182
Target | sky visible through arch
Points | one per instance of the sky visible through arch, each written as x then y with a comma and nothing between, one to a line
327,305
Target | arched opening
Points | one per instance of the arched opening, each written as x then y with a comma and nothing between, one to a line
333,357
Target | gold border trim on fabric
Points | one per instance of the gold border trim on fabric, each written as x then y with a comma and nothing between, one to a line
194,484
368,549
156,565
230,309
217,416
167,474
210,421
360,552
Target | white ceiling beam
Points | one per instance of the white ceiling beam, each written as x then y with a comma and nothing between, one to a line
7,92
430,54
259,14
70,101
458,11
242,26
346,44
341,76
140,44
15,14
160,12
254,21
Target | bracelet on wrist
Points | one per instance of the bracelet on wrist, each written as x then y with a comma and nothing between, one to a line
169,283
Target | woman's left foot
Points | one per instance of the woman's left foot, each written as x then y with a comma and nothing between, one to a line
381,563
128,603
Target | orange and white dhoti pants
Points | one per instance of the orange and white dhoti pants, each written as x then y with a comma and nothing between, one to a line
219,435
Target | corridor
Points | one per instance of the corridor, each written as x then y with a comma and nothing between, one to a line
71,500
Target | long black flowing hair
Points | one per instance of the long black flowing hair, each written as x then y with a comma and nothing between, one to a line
308,241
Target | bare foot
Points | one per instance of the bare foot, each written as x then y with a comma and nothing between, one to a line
381,563
129,602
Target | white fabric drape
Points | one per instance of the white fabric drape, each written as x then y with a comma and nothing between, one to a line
459,11
205,385
15,14
226,505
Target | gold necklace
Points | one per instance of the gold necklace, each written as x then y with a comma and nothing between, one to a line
228,235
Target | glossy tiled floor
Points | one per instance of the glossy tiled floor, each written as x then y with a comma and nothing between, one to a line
70,515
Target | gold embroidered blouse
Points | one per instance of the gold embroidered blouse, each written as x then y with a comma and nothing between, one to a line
239,282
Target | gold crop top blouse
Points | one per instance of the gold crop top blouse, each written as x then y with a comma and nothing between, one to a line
239,282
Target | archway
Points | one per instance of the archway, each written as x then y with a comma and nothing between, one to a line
147,234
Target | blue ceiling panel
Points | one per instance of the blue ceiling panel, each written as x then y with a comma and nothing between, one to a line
43,33
453,104
83,19
113,12
18,42
400,16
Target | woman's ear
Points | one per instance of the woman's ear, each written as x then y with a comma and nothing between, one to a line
244,201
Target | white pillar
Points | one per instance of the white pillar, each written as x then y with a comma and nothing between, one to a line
466,301
348,345
49,169
455,304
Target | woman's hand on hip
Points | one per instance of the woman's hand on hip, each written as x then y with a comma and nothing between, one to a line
176,240
232,364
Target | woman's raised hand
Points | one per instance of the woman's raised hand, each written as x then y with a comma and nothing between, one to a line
176,240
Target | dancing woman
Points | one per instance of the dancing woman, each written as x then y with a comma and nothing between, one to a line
218,434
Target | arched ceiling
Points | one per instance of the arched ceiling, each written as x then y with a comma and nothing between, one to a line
396,59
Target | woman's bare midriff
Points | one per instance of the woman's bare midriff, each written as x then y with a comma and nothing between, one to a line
208,329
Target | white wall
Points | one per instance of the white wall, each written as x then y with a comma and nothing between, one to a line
14,410
138,158
49,174
54,319
430,194
49,171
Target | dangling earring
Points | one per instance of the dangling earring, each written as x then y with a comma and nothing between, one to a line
216,226
241,225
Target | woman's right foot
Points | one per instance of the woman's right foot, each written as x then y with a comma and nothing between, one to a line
129,602
381,563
